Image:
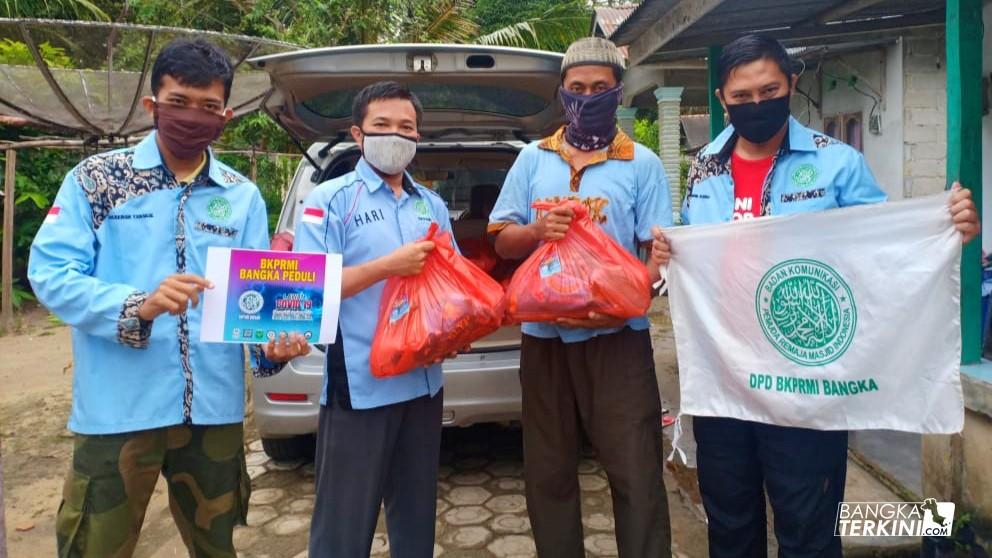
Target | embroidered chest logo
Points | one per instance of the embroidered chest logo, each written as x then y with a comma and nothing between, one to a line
368,217
595,205
423,211
219,208
804,175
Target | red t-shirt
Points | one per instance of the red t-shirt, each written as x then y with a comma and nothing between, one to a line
749,176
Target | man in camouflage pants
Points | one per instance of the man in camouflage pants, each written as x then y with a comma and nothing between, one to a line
208,489
123,249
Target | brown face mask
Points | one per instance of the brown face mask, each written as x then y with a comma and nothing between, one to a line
186,132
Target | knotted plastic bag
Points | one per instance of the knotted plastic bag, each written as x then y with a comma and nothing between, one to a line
587,271
426,317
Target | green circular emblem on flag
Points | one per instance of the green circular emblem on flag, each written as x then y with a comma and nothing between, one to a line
804,175
806,311
219,208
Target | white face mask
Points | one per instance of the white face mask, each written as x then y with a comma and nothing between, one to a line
389,153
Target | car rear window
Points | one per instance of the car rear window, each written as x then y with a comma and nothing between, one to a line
472,98
468,193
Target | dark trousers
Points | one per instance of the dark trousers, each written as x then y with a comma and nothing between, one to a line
373,456
606,386
802,470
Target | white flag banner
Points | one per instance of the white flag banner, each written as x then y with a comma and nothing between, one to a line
846,319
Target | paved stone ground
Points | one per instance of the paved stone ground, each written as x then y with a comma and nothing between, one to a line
481,510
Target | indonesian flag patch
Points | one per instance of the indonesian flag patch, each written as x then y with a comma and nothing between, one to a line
53,214
313,215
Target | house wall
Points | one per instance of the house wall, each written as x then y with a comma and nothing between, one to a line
878,71
925,114
911,78
958,468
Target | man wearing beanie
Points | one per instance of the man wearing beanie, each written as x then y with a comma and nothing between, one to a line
594,375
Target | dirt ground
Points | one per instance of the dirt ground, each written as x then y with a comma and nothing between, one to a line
36,380
36,447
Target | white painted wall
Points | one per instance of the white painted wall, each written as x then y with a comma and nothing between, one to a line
987,137
925,114
882,70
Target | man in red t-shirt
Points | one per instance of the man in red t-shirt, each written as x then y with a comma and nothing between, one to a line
773,166
749,177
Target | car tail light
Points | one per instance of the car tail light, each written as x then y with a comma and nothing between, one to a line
287,397
282,242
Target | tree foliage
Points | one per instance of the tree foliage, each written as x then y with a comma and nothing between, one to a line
56,9
491,15
541,24
16,53
554,29
442,21
646,133
39,175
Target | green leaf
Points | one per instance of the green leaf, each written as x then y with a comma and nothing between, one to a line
40,201
554,30
57,9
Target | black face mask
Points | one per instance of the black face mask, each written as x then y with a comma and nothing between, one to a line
758,122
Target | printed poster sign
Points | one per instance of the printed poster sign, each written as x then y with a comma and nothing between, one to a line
259,294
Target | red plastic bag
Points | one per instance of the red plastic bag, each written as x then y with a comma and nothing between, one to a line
587,271
480,252
424,318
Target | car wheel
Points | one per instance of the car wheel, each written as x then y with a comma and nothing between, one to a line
290,449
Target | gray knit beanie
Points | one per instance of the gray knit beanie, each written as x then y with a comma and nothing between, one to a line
592,51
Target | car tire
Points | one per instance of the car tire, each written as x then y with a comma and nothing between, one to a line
290,449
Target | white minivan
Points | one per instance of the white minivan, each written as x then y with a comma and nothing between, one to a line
481,106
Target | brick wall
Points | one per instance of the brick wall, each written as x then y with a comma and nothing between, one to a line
924,115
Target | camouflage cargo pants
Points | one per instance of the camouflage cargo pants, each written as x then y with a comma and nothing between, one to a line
113,477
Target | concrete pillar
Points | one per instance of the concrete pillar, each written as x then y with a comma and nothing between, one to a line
713,83
964,152
625,119
669,134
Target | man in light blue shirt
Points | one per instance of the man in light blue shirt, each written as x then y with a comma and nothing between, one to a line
378,440
802,471
597,374
120,258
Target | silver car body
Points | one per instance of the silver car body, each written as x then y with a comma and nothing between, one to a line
482,386
476,100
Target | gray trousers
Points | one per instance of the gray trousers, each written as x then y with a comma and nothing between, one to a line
607,387
373,456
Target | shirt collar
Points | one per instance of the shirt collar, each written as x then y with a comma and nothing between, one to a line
373,181
148,156
798,138
622,147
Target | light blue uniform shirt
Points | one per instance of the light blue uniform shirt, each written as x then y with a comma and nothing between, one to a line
627,194
120,224
357,215
811,172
